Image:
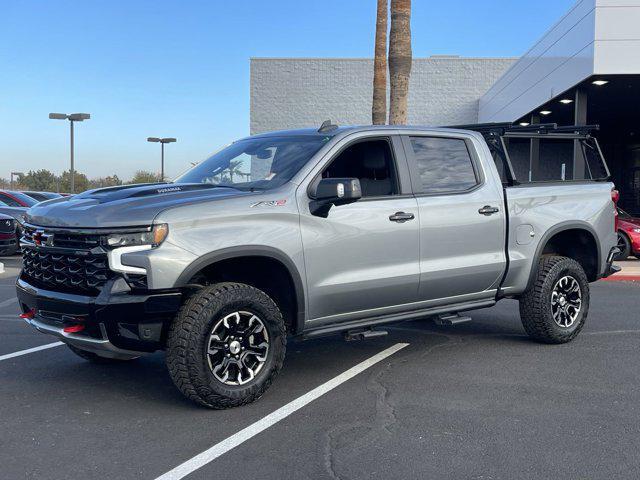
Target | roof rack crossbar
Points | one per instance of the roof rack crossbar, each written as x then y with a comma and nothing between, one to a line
536,128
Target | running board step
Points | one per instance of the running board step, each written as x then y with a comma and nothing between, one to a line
363,334
451,319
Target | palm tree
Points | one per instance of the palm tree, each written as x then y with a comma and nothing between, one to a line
399,60
379,105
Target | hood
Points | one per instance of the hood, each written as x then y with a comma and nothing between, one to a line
125,206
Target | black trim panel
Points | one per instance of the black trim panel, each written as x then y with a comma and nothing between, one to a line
250,251
561,227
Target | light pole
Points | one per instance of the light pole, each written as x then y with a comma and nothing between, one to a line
72,117
17,174
162,141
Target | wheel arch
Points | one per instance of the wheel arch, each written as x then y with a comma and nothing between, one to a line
282,262
577,240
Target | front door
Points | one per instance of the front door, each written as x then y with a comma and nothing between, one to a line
362,260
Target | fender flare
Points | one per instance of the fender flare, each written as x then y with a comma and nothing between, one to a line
251,251
561,227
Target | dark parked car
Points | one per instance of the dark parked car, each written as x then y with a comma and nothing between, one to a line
8,235
42,196
628,235
17,199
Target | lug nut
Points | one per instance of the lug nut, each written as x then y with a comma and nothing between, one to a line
228,354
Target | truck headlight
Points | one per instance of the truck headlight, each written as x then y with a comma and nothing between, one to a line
153,237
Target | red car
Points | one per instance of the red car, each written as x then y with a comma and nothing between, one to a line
16,199
628,235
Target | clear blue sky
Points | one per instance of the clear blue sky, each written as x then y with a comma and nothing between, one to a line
181,68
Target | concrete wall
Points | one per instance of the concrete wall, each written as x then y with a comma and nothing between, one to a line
303,92
593,37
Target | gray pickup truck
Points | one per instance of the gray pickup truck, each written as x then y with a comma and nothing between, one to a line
317,231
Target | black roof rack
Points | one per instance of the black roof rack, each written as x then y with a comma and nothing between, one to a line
327,126
504,129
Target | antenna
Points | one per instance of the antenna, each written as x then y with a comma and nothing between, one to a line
327,126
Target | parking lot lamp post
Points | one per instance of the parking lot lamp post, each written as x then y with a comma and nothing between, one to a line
72,117
162,141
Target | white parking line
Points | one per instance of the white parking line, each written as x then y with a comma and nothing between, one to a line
30,350
6,303
254,429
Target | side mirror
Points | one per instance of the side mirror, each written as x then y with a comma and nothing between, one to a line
333,191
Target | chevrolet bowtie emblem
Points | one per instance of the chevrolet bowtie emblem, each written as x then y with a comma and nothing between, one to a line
40,238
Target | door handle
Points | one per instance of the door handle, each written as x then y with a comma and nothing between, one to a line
401,217
488,210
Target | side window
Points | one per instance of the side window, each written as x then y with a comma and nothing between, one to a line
371,162
444,164
9,201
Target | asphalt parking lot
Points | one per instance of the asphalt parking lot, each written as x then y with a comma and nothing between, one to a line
475,401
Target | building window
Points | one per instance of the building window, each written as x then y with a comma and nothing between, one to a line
444,164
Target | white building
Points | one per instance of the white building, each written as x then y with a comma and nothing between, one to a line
584,70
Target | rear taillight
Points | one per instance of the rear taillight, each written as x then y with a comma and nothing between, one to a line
615,196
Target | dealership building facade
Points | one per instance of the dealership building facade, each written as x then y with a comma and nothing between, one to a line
585,70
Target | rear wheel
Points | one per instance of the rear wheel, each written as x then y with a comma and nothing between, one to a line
555,307
226,345
625,247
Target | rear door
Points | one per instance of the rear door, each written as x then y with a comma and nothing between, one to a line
462,218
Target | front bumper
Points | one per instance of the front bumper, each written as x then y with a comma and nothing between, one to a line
118,323
8,243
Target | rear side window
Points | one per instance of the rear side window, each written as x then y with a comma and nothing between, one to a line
444,164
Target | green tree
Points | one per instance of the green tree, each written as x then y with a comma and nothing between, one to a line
100,182
144,176
80,179
39,180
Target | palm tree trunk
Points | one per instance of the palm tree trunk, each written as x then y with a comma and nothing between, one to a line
379,105
399,60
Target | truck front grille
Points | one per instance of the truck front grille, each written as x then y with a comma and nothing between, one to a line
66,272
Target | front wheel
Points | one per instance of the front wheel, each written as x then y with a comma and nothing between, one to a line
226,345
554,309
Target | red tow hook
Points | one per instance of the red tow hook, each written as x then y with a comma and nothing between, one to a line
73,328
29,314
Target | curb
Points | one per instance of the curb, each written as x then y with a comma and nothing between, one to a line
622,278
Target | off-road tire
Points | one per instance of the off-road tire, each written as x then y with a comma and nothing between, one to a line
535,303
189,333
95,358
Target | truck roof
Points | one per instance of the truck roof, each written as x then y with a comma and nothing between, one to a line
357,128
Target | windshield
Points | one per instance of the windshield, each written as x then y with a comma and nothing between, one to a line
256,163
